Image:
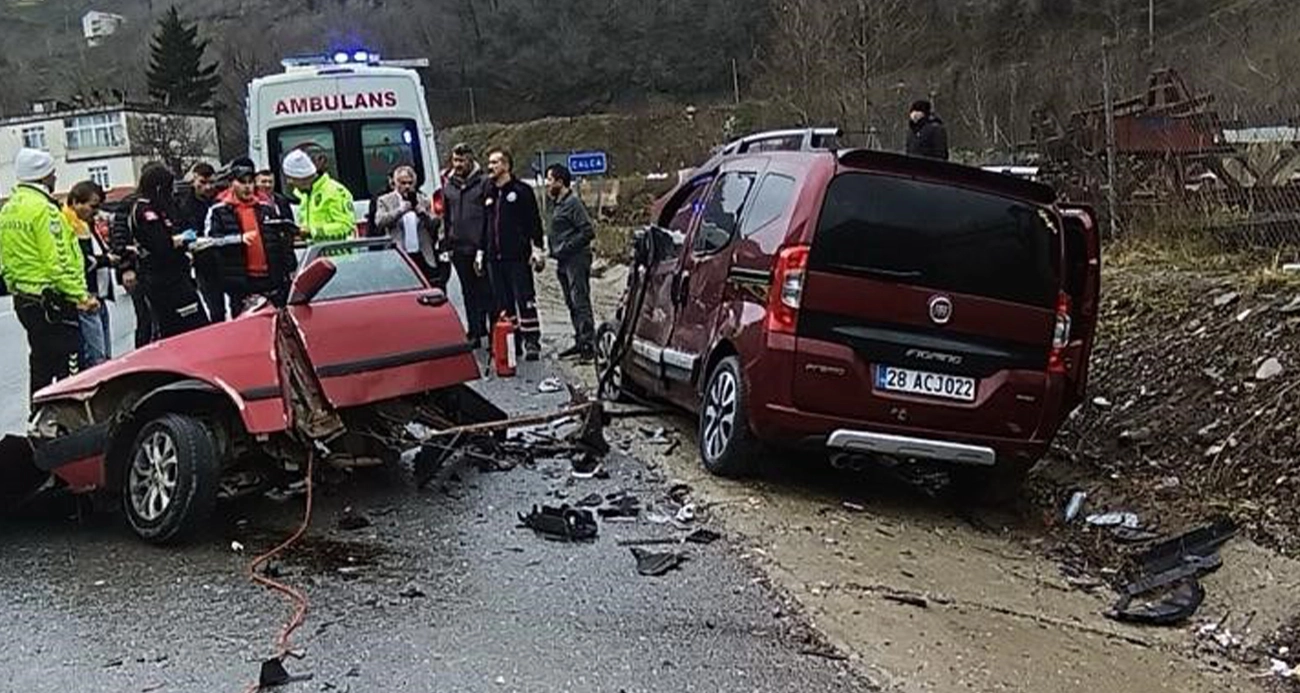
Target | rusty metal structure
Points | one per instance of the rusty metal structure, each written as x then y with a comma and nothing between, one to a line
1172,148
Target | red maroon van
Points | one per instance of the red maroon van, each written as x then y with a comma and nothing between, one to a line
876,304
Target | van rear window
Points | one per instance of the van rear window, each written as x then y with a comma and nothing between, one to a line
937,236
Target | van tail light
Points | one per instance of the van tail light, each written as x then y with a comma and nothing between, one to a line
787,289
1060,335
439,204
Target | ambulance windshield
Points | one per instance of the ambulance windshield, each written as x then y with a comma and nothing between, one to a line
358,153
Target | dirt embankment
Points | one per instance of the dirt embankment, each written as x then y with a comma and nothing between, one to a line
1194,400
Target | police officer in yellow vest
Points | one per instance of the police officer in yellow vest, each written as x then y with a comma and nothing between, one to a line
43,268
325,211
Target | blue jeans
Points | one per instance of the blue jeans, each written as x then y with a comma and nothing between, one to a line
96,338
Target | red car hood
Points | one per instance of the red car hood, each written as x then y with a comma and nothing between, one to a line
236,356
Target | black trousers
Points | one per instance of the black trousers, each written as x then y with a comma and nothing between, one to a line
176,307
54,342
516,296
575,281
214,294
477,291
145,329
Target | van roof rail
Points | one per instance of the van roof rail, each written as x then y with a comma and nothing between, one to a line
795,140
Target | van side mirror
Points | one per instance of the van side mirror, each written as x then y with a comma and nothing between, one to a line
311,280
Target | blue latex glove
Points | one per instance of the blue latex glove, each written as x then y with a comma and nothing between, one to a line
189,235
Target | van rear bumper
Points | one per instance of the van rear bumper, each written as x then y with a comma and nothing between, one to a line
904,446
779,424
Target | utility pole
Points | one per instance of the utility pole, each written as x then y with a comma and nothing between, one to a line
1151,26
1112,203
735,80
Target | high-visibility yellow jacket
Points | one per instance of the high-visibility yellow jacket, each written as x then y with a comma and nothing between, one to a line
38,247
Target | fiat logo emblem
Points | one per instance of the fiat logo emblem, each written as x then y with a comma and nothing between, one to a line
940,309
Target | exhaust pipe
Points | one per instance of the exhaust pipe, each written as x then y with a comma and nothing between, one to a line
848,463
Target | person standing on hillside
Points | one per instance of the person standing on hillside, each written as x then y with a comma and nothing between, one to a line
325,211
926,134
570,240
79,209
464,226
44,270
514,249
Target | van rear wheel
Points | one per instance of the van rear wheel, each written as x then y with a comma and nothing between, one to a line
728,447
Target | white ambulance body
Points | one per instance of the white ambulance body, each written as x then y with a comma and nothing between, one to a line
364,115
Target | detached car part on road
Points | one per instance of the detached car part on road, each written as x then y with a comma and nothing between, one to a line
364,349
877,305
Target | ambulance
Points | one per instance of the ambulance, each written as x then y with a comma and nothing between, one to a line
364,115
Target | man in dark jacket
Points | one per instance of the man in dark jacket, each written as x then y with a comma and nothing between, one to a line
195,195
265,182
926,135
249,242
122,244
514,249
464,190
570,240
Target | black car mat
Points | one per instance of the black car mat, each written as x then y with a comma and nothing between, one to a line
652,564
561,524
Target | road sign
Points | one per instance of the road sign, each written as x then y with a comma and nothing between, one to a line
588,163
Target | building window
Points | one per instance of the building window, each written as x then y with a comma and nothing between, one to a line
34,137
99,176
98,131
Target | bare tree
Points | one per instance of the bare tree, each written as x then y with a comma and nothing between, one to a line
176,140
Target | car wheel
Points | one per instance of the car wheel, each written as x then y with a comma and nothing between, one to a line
613,390
172,478
727,445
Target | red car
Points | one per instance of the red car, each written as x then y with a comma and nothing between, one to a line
865,302
363,349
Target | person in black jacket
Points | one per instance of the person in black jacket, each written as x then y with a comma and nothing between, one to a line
265,182
249,242
165,274
514,249
464,190
194,196
122,244
926,135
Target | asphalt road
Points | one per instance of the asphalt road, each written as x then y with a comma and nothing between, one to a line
441,593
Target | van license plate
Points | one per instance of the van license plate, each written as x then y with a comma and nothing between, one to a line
911,382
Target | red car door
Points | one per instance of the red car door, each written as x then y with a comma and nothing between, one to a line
659,311
376,331
702,279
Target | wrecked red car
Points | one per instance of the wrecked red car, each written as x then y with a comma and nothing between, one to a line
364,354
869,304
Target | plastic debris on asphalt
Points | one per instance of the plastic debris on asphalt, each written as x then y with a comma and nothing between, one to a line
652,564
561,524
550,385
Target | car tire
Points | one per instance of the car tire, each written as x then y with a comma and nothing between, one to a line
728,447
171,479
999,485
616,390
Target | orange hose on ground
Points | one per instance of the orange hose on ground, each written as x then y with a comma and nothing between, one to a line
299,599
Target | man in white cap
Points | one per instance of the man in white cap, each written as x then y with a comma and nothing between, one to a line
325,211
44,270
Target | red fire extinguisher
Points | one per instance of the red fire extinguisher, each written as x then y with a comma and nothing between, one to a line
503,346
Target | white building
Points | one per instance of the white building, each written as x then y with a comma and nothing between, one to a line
96,25
105,144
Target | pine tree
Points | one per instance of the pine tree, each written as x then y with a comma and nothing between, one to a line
177,75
